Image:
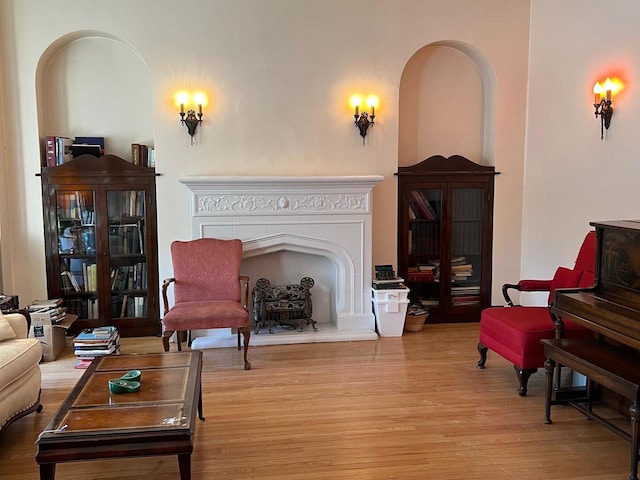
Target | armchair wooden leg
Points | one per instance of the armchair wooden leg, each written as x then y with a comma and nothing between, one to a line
482,350
246,333
166,335
523,377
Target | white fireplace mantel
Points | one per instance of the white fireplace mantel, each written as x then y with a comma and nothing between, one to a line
326,216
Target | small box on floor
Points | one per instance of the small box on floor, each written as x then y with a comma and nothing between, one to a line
52,337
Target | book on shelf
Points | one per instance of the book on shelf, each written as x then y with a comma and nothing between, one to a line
57,150
421,276
430,302
88,145
123,309
426,267
78,149
462,268
69,282
50,150
63,150
142,155
91,141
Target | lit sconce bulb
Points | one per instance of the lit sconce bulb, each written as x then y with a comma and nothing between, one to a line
608,86
182,99
356,102
372,103
200,99
597,91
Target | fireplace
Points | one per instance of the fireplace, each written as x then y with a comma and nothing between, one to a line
292,227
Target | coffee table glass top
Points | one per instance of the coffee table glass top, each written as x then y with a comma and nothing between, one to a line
164,402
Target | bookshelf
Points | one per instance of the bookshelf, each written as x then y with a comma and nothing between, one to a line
101,242
445,224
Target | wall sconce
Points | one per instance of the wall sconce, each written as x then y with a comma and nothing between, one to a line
364,120
191,121
602,102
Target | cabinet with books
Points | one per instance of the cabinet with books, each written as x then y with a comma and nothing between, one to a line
101,242
445,223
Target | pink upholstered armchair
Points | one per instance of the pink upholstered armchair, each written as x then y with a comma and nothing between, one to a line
514,332
209,291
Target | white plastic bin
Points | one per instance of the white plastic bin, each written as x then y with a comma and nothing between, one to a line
390,314
390,295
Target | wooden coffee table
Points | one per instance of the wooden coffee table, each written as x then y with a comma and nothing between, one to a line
158,419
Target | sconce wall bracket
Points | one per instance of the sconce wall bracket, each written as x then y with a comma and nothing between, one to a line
191,122
363,122
604,110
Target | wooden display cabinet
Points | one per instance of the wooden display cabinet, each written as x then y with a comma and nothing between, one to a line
100,231
445,231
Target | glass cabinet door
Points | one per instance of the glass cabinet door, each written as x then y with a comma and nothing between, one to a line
466,246
76,234
423,272
127,253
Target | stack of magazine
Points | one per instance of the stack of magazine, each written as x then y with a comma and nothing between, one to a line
95,342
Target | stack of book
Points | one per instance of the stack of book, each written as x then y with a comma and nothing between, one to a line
422,273
460,269
47,312
95,342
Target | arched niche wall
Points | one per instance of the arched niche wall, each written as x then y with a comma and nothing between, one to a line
447,105
94,84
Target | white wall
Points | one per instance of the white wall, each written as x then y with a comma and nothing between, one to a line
572,177
280,73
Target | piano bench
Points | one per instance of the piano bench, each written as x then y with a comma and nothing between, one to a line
603,364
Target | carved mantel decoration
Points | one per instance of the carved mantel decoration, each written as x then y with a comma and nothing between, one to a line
281,203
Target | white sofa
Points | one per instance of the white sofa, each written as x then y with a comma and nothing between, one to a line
19,370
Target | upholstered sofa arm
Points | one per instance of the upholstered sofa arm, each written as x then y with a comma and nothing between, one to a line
525,286
19,324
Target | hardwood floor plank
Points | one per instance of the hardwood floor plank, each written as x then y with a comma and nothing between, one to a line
412,407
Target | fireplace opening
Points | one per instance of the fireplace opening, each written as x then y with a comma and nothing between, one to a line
286,267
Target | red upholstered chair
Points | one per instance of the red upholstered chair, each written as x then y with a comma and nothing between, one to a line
514,332
207,289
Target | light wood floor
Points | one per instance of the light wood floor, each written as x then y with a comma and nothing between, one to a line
412,407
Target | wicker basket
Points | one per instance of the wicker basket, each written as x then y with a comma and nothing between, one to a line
415,323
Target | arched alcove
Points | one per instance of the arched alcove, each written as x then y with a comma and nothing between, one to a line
93,84
447,105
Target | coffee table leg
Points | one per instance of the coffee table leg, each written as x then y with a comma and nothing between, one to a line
184,462
200,416
47,471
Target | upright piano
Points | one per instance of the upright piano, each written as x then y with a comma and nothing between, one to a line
611,309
